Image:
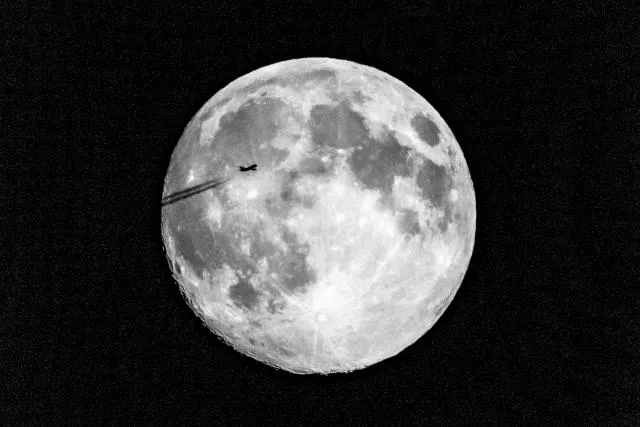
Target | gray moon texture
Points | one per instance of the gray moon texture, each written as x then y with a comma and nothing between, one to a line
350,239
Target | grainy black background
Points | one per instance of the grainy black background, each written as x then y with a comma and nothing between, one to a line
543,100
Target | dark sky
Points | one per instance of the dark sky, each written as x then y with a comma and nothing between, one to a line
544,103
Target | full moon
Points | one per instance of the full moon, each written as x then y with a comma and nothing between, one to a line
349,237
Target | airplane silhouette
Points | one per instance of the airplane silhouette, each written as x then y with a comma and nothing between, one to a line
248,168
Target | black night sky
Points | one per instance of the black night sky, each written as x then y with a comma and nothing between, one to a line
543,99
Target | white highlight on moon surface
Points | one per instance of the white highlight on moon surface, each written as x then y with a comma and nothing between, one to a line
351,238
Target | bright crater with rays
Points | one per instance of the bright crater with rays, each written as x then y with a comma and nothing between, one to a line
351,238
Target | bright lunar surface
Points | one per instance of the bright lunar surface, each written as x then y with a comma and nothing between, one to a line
351,237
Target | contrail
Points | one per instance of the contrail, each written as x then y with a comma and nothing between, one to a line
192,191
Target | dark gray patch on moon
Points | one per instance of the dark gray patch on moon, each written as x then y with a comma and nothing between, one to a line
292,266
186,247
241,133
409,222
435,183
189,237
426,129
244,295
203,249
376,163
336,126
